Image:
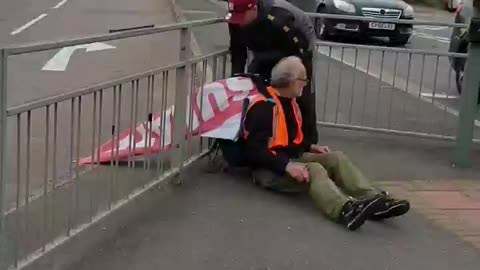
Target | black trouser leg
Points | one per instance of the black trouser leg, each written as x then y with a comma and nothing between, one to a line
262,69
307,104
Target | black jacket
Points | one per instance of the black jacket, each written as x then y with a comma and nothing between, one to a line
258,123
281,30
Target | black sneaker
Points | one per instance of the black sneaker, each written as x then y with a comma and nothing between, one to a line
391,208
356,212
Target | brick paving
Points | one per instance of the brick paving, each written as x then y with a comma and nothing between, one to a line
451,204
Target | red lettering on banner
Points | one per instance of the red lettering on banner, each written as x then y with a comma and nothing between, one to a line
229,103
219,101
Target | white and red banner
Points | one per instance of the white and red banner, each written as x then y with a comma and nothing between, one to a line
221,105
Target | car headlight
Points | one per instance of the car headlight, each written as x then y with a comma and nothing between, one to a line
408,11
344,6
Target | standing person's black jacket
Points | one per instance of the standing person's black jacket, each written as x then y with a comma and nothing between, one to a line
281,30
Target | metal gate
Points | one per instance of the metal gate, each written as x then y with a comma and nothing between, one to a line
406,91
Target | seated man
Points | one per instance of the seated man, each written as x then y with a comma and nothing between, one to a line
282,161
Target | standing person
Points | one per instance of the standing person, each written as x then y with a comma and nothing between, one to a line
272,30
282,161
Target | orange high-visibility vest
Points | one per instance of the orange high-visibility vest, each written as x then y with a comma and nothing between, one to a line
280,132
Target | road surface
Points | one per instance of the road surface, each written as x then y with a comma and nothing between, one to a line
30,76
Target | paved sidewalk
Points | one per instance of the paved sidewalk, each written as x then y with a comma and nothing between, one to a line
221,221
451,204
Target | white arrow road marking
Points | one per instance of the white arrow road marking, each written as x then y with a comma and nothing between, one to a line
59,61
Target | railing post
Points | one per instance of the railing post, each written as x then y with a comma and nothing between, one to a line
3,134
3,152
469,96
181,93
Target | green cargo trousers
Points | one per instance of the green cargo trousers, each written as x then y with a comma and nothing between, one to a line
334,180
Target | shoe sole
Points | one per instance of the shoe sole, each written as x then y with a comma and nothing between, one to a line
391,212
367,212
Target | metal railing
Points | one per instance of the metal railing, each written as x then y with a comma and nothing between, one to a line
406,91
47,195
384,89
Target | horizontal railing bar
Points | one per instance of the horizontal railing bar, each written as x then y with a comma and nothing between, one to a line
131,28
35,47
44,46
389,49
89,90
391,131
370,19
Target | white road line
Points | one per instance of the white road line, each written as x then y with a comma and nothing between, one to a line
431,28
60,4
400,86
30,23
192,11
428,36
440,96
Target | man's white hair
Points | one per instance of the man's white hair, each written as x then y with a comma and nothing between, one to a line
286,70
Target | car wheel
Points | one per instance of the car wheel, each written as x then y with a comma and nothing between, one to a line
459,80
399,40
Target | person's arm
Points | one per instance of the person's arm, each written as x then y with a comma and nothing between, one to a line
238,49
258,123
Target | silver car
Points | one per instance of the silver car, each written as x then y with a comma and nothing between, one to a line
398,34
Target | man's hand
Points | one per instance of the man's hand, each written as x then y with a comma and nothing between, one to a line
318,149
298,171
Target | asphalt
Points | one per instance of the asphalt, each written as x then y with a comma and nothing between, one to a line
77,19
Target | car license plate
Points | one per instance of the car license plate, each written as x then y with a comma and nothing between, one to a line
381,26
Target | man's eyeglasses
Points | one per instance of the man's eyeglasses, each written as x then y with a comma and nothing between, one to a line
305,80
